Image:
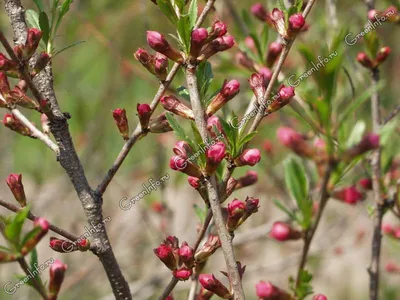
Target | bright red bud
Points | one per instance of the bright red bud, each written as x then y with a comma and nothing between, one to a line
284,232
121,121
199,38
158,43
296,22
218,29
194,182
186,255
366,183
166,254
144,113
212,284
383,53
364,60
182,274
320,297
57,272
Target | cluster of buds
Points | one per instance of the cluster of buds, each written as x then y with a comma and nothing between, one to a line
369,142
64,246
249,157
159,44
370,63
391,14
121,121
238,211
350,195
228,91
182,160
57,273
15,125
213,285
172,104
24,52
287,30
282,232
205,43
155,64
40,228
295,141
391,231
268,291
14,182
180,260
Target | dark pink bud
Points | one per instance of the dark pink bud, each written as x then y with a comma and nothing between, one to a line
296,22
62,246
178,163
244,60
159,124
256,82
166,254
158,43
32,42
259,11
172,241
387,229
119,115
249,157
182,274
236,207
172,104
278,20
212,123
212,244
364,60
4,85
199,38
349,195
283,232
372,15
57,272
366,183
186,255
266,73
274,50
216,153
369,142
382,54
229,90
146,59
7,64
320,297
250,178
391,267
194,182
161,66
218,45
268,291
295,141
36,235
219,29
144,113
182,149
285,94
83,245
212,284
251,207
14,182
249,42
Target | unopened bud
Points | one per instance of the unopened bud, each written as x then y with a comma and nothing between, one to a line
348,195
14,182
146,59
182,273
172,104
259,11
257,85
186,255
7,64
194,182
57,273
250,178
268,291
284,232
44,120
62,246
383,53
296,22
41,227
369,142
121,121
214,126
364,60
4,85
178,163
32,42
274,50
158,43
166,254
235,212
218,45
15,125
229,90
249,157
199,38
244,60
144,113
161,66
366,183
159,124
295,141
212,244
320,297
218,29
20,98
278,20
215,154
182,149
285,94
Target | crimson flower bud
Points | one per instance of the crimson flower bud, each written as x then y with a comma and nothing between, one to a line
259,11
392,268
251,207
182,149
348,195
7,64
229,90
366,183
161,66
249,157
285,94
158,43
382,54
283,232
268,291
42,61
212,244
172,241
194,182
170,297
212,123
257,85
146,59
372,15
218,29
172,104
199,38
4,85
178,163
41,227
295,141
387,229
320,297
15,125
32,42
369,142
144,113
186,255
266,73
250,178
121,121
212,284
19,97
159,124
14,182
218,45
364,60
215,154
183,273
296,22
274,50
392,14
278,20
235,212
166,254
62,246
83,245
57,272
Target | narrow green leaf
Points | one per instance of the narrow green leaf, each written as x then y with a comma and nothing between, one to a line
13,229
44,27
258,47
184,31
178,130
167,9
299,5
371,43
39,4
246,139
201,214
386,132
67,47
32,17
286,210
281,5
193,13
35,231
65,7
183,92
34,259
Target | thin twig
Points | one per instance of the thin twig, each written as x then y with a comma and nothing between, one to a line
38,287
36,132
392,115
171,285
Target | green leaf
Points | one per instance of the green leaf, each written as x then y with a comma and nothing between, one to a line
65,7
248,20
31,234
264,41
286,210
371,43
66,48
281,5
44,27
183,92
298,4
204,77
246,139
356,134
180,4
201,214
179,131
39,4
34,259
32,17
168,10
193,13
386,132
184,31
13,229
257,44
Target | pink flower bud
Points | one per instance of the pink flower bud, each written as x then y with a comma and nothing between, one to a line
266,73
229,90
218,29
7,64
194,182
212,244
119,115
199,38
178,163
166,254
285,94
57,272
372,15
296,22
392,268
249,42
366,183
364,60
186,255
259,11
257,84
250,178
182,149
83,245
144,113
294,141
62,246
320,297
236,210
212,284
278,20
251,207
14,182
387,229
146,59
382,54
215,154
36,235
158,43
348,195
218,45
182,274
32,42
249,157
284,232
14,124
274,50
4,86
267,291
172,104
159,124
369,142
19,97
242,59
161,66
212,123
